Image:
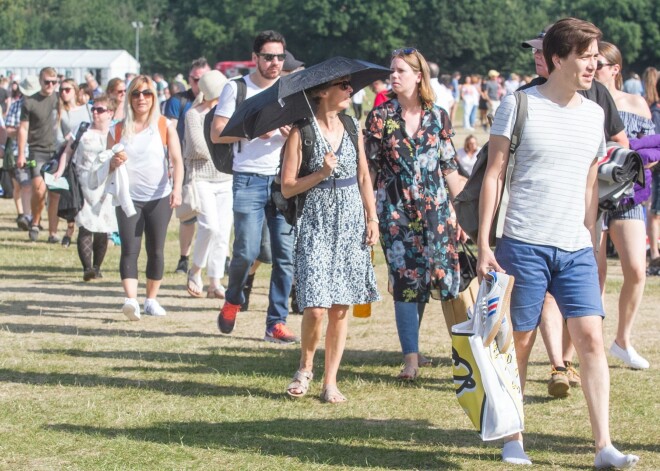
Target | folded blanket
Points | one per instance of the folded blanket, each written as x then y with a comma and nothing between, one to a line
621,165
646,142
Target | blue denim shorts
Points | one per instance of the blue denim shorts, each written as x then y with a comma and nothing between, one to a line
571,277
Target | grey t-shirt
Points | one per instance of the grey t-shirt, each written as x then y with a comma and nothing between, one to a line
40,112
493,90
70,120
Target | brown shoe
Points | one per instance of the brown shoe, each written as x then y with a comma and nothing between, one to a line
573,376
558,385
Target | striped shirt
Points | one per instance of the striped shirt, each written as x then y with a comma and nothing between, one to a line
548,183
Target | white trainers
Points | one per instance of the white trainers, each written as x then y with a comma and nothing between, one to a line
629,356
493,301
152,308
131,309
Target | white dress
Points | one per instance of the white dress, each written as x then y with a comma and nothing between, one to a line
98,213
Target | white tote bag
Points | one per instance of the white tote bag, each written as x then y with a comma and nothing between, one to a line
190,205
487,382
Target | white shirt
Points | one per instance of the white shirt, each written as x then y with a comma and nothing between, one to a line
358,97
443,96
261,156
465,161
548,183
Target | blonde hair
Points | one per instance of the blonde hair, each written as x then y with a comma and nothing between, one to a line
418,64
650,81
612,55
128,129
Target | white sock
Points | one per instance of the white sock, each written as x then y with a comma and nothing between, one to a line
513,453
611,457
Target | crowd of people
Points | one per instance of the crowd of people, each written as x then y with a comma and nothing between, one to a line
134,146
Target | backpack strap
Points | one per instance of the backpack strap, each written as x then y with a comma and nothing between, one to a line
349,126
516,135
162,130
241,92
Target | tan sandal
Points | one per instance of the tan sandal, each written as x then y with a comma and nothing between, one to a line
408,373
300,382
332,395
195,286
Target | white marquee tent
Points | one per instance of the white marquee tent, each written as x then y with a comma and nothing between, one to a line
104,64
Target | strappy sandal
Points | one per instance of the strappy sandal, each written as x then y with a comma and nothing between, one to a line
195,287
216,293
405,374
300,382
332,395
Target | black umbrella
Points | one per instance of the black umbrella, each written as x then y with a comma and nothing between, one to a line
285,102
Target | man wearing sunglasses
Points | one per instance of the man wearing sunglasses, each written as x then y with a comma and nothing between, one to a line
37,130
255,168
557,342
175,110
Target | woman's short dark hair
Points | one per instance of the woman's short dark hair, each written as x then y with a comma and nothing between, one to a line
568,35
268,36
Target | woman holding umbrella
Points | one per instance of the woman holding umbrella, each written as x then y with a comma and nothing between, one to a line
408,144
332,264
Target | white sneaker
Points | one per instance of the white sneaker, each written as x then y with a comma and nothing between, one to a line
629,356
131,309
152,308
493,301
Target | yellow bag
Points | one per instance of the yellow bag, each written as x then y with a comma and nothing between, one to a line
487,382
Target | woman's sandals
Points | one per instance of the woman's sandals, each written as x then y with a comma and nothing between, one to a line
299,384
332,395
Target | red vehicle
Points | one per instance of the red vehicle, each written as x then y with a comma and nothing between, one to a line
235,68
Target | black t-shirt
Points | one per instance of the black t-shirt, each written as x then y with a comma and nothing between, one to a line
599,94
40,112
3,99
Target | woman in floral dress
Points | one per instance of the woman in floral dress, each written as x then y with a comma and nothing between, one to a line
332,263
408,144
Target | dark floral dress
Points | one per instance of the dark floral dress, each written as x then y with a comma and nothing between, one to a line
416,226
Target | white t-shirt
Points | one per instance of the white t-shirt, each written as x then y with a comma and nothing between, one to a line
443,96
261,156
358,97
548,183
465,161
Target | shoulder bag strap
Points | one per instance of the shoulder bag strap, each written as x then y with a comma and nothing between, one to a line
516,135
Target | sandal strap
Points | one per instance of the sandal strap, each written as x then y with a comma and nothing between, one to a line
300,381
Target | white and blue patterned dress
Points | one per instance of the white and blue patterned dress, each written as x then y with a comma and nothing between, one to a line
332,264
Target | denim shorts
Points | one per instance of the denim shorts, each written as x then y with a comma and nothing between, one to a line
624,213
655,193
571,277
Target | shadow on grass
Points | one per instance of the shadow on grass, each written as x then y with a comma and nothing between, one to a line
15,328
354,443
351,442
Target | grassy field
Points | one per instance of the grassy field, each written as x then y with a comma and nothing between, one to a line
83,388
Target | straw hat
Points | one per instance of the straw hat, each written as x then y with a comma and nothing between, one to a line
29,85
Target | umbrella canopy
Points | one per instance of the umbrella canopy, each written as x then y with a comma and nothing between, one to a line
285,102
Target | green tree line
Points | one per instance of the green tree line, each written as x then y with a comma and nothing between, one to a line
465,35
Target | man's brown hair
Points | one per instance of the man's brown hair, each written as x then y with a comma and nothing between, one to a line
568,35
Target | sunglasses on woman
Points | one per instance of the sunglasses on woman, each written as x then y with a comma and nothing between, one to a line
404,51
145,93
600,65
344,84
99,109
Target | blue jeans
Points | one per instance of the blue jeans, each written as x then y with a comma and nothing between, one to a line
253,204
408,319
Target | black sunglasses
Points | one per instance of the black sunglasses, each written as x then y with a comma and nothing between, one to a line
195,79
271,57
600,65
404,50
65,89
98,109
51,82
344,84
145,93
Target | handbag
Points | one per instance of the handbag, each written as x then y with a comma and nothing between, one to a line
486,381
468,265
190,206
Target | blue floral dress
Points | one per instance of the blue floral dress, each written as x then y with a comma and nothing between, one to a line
416,226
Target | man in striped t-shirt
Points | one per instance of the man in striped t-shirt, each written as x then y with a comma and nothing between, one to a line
550,223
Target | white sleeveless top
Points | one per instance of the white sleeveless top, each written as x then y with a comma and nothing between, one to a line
147,167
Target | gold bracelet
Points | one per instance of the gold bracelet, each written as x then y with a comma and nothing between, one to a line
373,219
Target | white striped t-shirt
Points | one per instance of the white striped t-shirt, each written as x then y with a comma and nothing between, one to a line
548,183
